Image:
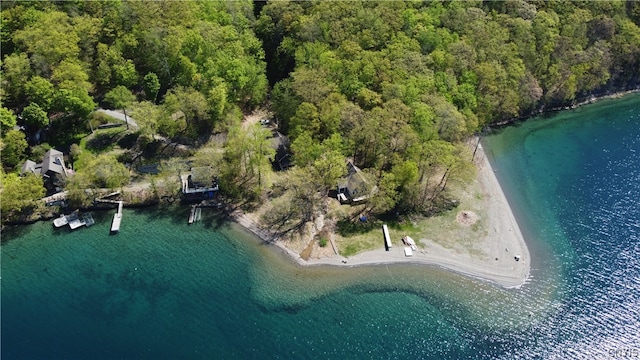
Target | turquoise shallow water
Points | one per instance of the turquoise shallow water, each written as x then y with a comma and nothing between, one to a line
164,289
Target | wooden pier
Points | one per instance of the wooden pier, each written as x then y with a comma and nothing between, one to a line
117,218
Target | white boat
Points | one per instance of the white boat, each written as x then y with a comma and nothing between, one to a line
407,251
61,221
65,219
409,241
76,223
73,220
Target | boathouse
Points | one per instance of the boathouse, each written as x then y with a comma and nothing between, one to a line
199,184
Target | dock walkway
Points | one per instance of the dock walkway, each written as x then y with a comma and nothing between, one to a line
196,214
117,219
192,215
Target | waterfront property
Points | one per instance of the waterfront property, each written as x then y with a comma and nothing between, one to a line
281,144
52,169
199,184
354,187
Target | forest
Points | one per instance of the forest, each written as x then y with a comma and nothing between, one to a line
397,87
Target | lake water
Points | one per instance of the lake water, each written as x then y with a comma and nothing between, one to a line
165,289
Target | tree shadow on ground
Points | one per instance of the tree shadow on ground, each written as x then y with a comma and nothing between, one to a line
128,141
349,227
104,140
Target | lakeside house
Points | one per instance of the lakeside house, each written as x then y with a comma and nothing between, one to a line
354,187
282,158
52,169
199,184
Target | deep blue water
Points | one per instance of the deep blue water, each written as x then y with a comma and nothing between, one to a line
163,289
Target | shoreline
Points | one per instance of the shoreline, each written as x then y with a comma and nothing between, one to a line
498,265
586,101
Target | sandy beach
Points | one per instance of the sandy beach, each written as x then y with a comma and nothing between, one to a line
496,261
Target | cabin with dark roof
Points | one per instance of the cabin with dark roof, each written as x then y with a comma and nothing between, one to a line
52,169
355,187
282,158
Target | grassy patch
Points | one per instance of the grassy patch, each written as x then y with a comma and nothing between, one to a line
349,228
350,250
368,236
354,237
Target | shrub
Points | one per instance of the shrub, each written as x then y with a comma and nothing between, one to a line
322,242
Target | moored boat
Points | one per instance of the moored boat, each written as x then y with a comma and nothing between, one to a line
65,219
410,242
61,221
74,220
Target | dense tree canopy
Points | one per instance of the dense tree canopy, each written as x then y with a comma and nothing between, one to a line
395,86
14,145
7,119
404,82
66,56
20,193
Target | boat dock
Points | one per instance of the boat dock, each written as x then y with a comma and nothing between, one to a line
74,220
107,201
192,215
195,214
387,238
117,218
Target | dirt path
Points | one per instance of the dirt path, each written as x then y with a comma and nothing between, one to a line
254,117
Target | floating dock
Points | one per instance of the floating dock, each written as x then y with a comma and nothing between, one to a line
74,220
196,214
387,238
61,221
192,215
117,218
88,219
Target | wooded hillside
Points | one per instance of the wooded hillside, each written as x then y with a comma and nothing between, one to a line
394,85
198,57
403,82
